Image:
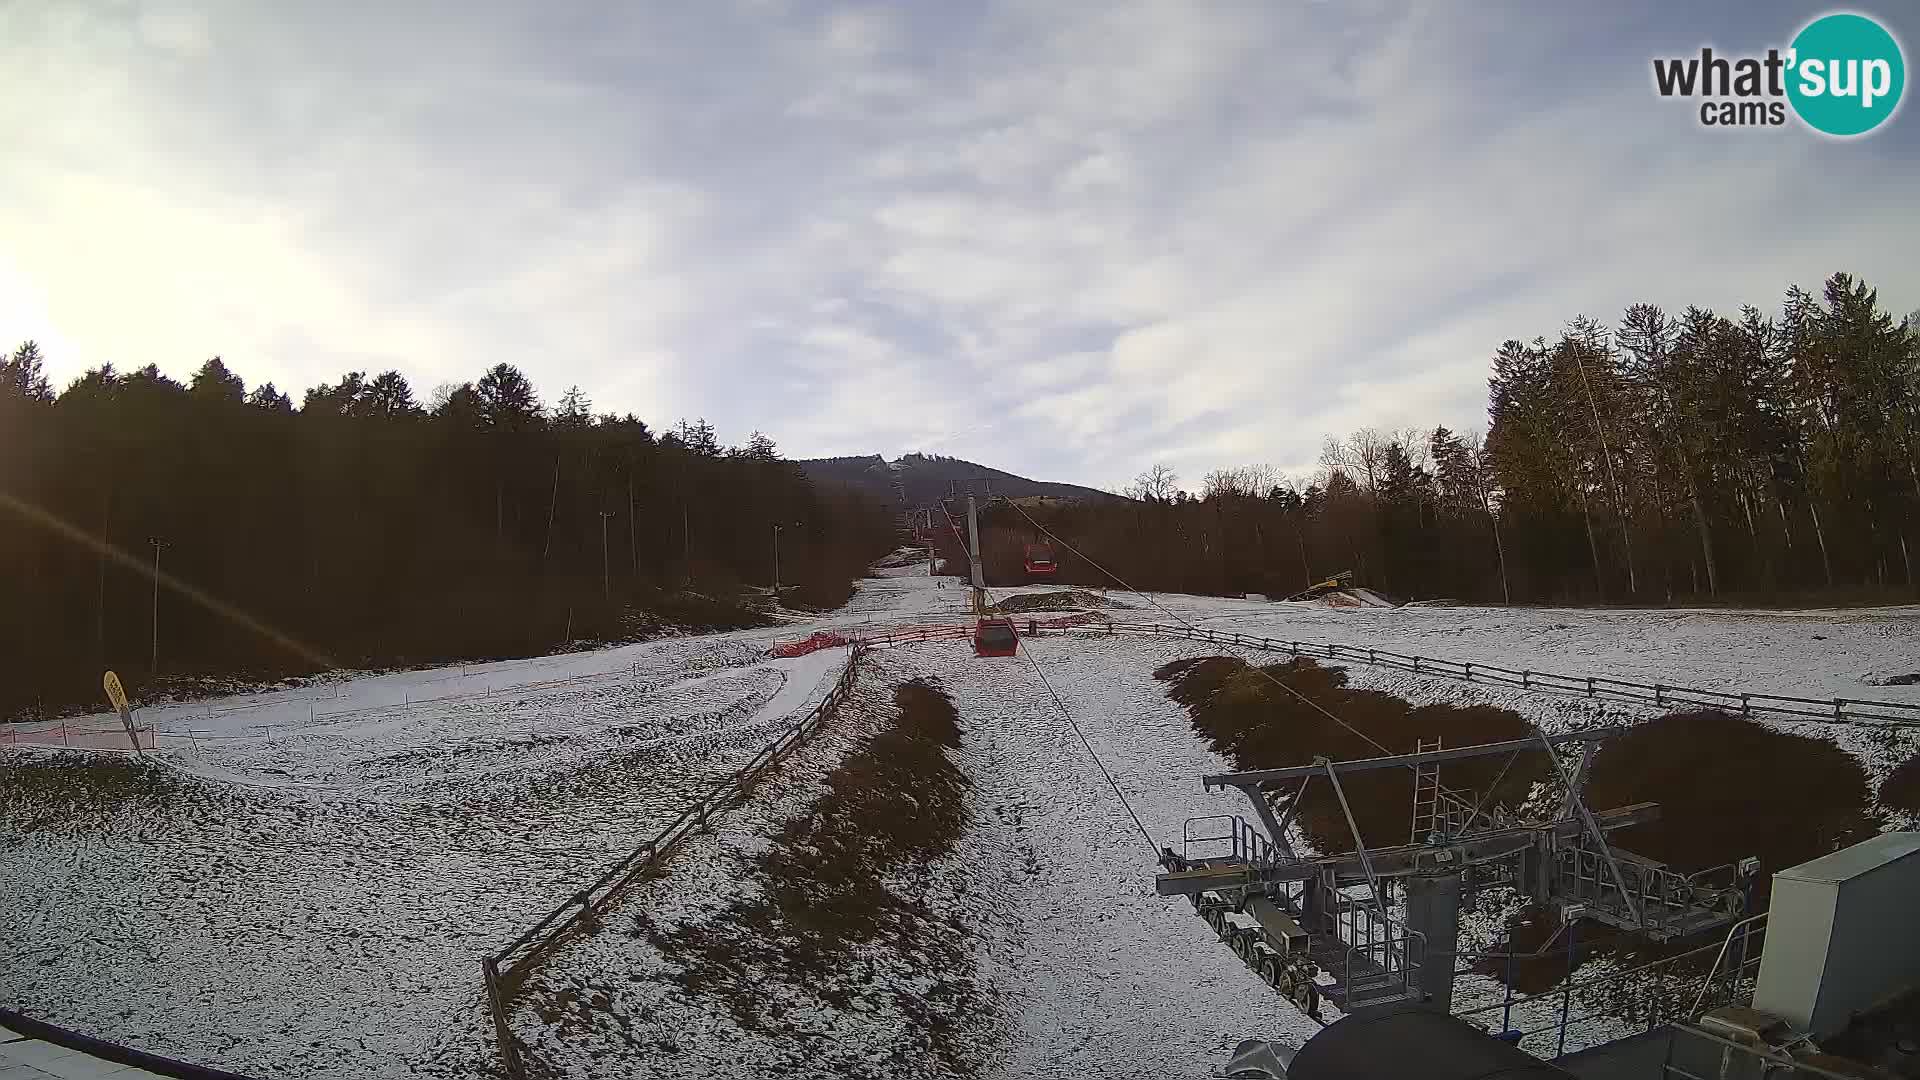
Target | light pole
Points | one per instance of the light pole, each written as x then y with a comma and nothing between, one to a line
776,553
606,570
157,545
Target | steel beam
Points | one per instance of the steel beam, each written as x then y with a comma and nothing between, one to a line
1460,753
1217,874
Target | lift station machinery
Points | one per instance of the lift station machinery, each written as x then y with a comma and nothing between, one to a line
1381,924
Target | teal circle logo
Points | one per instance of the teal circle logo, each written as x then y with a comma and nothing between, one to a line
1846,74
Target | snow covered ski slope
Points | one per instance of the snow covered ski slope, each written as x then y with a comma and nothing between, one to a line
305,889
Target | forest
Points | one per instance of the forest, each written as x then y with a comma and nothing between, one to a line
1695,458
365,528
1672,459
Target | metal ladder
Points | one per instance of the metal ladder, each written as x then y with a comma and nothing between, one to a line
1426,793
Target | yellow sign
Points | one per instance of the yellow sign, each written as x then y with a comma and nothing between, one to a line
116,693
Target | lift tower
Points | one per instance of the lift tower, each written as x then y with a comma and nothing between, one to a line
973,557
1379,924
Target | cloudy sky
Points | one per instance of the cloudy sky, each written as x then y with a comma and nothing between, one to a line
1063,238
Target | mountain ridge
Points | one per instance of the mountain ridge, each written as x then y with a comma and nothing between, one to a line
923,479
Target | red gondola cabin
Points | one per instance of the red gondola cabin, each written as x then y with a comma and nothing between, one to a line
1040,560
995,637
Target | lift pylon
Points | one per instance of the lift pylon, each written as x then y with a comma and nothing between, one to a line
1378,924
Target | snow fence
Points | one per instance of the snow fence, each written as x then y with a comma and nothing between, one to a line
1859,712
65,735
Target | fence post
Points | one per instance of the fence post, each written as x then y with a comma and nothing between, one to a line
509,1053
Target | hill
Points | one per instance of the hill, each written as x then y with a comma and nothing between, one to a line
921,479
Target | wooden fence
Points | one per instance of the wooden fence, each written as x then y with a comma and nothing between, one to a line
1862,712
501,970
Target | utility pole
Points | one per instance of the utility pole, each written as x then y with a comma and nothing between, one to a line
606,570
776,553
157,545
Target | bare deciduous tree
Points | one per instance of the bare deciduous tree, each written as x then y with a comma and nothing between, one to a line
1159,483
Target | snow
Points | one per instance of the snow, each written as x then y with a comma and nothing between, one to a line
313,902
1818,654
309,891
1053,878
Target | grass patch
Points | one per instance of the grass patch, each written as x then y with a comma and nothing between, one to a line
1901,789
1255,724
1065,600
41,791
838,918
1729,788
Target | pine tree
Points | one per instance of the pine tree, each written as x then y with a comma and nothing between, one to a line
388,395
268,397
213,382
698,437
507,401
575,410
760,448
23,375
344,398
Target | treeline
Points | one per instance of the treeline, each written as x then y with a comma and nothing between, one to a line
367,528
1689,458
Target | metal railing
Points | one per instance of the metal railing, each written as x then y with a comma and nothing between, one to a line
1854,711
1381,953
1243,843
1657,896
1667,991
501,969
1775,1063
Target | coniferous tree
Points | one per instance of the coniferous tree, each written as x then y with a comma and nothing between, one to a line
365,530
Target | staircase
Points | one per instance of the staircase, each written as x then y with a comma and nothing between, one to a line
1361,957
1371,958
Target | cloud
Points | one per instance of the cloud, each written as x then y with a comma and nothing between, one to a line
181,31
1066,239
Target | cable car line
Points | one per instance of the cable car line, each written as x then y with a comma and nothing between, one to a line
1163,610
1026,650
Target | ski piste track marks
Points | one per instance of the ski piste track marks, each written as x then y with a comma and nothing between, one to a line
346,928
184,998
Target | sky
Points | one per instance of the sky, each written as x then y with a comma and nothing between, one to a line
1067,239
